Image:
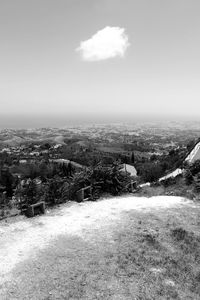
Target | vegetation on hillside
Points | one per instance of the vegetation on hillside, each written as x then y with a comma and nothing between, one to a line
42,178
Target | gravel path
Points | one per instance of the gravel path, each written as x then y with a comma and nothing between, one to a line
66,230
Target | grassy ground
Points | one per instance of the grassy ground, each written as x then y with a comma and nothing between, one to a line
143,255
7,212
179,188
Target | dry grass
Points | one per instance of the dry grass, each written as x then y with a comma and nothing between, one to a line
177,189
165,263
146,255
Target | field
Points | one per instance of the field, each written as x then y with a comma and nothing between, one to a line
119,248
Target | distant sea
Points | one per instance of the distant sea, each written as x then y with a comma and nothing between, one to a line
38,121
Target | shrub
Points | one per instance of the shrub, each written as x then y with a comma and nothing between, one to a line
53,190
195,168
197,183
150,172
28,193
108,179
188,177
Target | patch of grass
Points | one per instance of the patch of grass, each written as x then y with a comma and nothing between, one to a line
188,242
179,233
8,212
178,189
164,264
149,191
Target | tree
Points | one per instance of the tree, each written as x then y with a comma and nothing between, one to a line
7,181
132,157
28,193
190,145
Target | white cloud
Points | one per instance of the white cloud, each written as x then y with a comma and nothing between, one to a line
106,43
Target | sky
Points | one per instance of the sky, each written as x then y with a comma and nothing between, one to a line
74,60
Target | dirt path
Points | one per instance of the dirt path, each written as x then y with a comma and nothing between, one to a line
71,231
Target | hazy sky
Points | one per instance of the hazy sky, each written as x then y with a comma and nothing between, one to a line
95,58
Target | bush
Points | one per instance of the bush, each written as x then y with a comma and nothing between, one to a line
28,192
197,183
59,189
107,179
195,168
169,181
53,190
188,177
150,172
